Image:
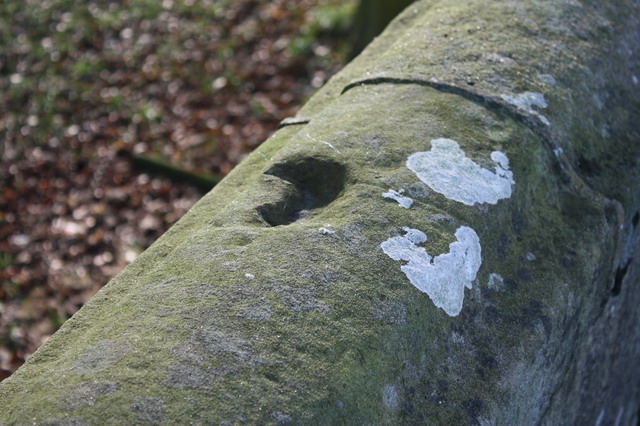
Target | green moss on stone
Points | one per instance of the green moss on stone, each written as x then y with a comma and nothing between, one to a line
247,311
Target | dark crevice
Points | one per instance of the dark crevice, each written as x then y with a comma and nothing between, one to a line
315,182
636,219
441,87
588,167
620,274
532,121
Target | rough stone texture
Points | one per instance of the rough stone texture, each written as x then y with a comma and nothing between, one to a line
329,329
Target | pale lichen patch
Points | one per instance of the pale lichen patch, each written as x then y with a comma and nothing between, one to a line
206,343
496,282
403,201
191,376
499,59
260,313
447,170
547,79
103,354
281,418
390,397
445,277
457,338
325,231
527,101
200,358
87,394
303,299
438,218
330,146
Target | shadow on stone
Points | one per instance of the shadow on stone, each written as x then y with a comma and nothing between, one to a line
316,183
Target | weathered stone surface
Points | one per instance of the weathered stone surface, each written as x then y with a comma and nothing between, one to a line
273,300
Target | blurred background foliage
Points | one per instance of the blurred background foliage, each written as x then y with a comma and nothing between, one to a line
94,92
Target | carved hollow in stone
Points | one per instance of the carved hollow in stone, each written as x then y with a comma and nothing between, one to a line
314,183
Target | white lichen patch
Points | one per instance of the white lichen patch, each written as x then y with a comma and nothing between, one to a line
496,282
445,277
87,394
330,146
325,231
527,101
457,338
249,276
547,79
390,397
403,201
447,170
102,355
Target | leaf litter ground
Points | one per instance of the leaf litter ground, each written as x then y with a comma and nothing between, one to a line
85,87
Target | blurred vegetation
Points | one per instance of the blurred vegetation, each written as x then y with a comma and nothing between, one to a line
71,64
86,87
371,18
